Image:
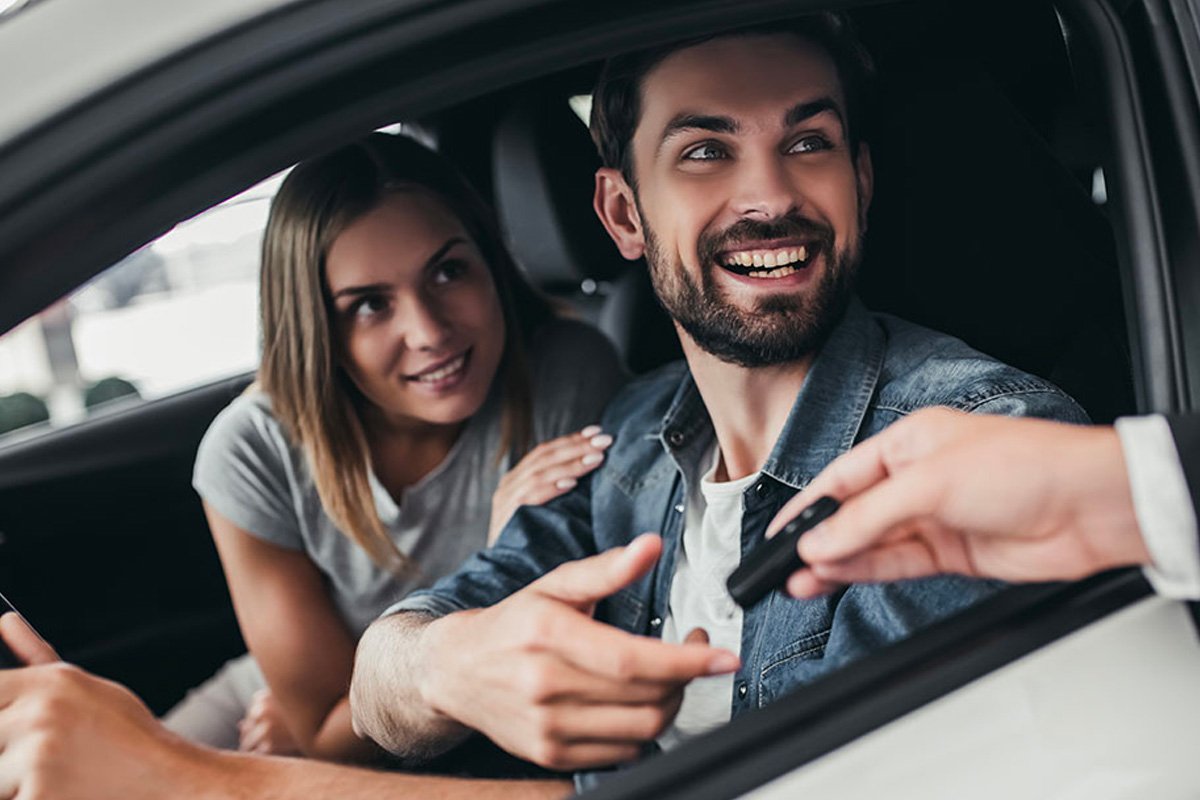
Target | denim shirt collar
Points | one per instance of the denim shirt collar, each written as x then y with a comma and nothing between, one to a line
825,419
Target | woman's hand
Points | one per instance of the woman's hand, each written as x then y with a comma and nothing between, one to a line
547,471
263,730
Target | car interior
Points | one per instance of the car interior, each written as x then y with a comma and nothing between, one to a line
990,222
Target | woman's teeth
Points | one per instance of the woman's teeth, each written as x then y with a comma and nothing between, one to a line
445,372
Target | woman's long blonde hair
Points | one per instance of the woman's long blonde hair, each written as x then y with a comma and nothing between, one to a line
310,393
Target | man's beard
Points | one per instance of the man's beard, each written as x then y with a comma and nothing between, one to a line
782,327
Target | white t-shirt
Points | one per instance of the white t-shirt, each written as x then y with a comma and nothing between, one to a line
709,552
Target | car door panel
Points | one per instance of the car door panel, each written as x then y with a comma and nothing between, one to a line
126,582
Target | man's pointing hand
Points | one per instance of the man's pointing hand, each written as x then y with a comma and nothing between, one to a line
545,681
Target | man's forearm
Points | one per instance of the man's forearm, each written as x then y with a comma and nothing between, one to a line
385,697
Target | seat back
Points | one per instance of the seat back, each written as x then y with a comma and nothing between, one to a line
543,171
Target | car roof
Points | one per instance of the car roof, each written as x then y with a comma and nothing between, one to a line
95,45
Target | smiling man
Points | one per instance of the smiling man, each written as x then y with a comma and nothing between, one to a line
735,166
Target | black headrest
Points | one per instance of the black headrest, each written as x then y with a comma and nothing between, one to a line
979,230
543,168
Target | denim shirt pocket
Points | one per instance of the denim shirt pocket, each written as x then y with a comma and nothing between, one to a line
778,675
624,610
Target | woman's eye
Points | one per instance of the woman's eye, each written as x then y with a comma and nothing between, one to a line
367,307
709,151
449,271
810,144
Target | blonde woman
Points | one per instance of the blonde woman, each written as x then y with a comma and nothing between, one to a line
407,366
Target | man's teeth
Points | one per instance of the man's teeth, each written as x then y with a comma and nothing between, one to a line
774,273
445,372
768,258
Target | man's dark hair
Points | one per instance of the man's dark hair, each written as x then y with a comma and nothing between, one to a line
616,100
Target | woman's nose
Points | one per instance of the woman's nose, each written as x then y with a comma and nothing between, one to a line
424,326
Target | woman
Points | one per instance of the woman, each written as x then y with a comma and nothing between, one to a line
406,366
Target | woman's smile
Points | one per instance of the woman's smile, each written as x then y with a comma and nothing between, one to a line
443,376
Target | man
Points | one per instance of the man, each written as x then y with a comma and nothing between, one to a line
736,166
941,492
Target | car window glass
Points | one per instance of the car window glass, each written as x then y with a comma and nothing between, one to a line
178,313
581,104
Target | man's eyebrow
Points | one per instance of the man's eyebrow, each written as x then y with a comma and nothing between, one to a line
351,291
687,121
802,112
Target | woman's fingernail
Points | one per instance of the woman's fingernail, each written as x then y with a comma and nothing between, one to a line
592,458
601,441
590,431
565,483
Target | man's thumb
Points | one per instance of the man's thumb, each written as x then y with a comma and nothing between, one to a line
584,582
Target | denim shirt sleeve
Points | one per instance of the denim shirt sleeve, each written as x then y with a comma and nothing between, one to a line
869,616
1042,404
536,540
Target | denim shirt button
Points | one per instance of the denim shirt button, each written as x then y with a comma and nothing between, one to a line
656,623
675,438
743,690
760,488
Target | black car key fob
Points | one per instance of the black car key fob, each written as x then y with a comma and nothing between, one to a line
769,565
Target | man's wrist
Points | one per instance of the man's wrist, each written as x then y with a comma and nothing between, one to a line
1121,543
433,668
203,773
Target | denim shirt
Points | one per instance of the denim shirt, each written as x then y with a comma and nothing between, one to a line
873,370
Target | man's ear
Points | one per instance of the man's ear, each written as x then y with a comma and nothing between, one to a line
865,172
614,204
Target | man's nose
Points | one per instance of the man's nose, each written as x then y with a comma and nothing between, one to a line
765,190
423,325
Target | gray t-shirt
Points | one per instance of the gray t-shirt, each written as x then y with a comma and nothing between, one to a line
249,471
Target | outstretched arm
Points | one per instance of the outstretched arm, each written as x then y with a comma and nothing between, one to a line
985,496
68,735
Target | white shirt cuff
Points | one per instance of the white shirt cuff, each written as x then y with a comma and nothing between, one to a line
1163,506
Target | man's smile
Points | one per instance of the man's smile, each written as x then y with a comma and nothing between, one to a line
769,260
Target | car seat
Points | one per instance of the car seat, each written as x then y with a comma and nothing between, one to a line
543,167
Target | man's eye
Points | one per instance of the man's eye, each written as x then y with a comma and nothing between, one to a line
709,151
449,271
810,144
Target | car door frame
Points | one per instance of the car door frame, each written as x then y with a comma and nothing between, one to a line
193,115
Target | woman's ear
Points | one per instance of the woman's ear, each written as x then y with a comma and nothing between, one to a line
615,205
